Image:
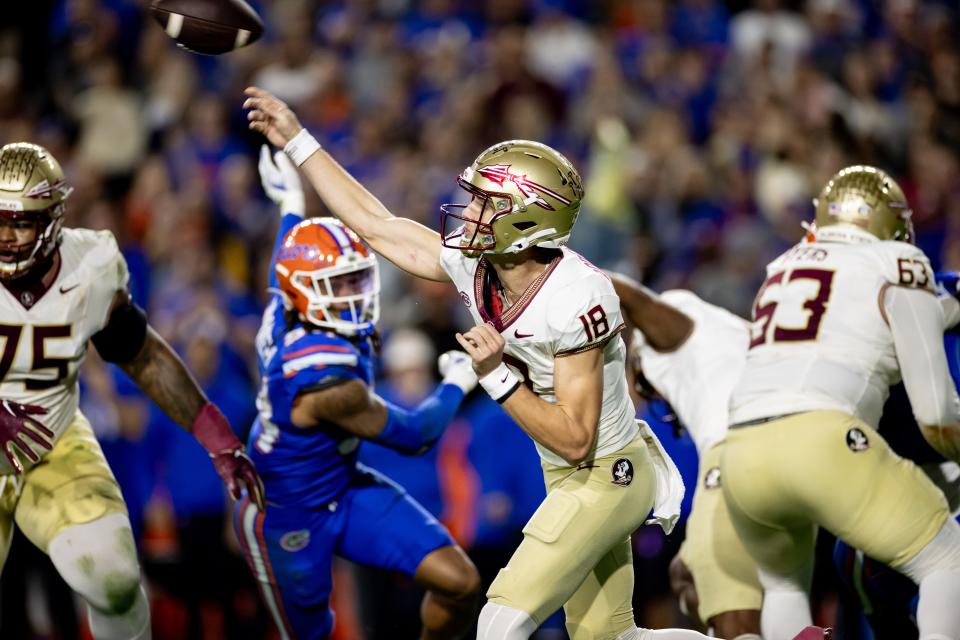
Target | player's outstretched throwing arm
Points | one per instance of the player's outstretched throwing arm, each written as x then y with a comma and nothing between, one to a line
345,399
135,347
404,242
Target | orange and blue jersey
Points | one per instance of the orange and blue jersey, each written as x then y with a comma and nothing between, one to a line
303,466
320,501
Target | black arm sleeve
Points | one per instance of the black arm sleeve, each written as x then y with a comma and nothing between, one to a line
123,337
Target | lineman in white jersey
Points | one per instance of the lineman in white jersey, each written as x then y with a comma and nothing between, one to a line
554,319
61,289
691,354
838,321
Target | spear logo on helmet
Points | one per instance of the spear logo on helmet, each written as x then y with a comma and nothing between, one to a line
500,173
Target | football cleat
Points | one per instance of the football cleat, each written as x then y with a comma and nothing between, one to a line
866,198
524,194
329,277
32,192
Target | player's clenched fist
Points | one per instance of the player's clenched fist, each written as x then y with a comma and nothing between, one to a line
17,422
484,344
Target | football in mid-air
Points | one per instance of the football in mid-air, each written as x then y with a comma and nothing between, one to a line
211,27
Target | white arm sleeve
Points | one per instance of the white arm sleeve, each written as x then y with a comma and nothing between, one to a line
916,321
951,311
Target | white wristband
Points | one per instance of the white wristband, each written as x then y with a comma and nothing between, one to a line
500,383
301,146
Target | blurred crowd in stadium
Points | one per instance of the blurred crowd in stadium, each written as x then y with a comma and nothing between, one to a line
703,129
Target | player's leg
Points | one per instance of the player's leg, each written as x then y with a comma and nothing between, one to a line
785,558
575,551
12,606
758,492
602,609
99,561
602,606
838,472
724,577
10,488
290,551
71,508
936,568
684,588
736,624
893,512
453,591
739,624
386,528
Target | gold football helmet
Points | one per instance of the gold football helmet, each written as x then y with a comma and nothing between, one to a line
528,195
32,190
866,198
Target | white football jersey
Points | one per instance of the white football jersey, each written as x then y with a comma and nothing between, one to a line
45,333
819,339
698,377
570,308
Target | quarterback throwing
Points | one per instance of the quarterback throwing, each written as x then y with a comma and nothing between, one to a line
547,347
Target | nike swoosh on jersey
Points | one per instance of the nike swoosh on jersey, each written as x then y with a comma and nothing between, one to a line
517,334
68,289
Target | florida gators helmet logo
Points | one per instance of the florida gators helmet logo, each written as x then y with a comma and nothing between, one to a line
329,277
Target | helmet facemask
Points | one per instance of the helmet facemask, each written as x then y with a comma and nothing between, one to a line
17,260
344,298
482,238
905,232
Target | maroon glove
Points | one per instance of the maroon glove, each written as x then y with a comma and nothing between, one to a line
15,423
236,470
